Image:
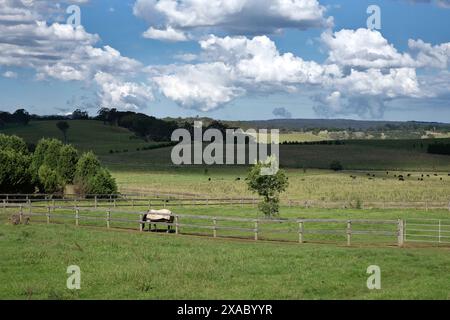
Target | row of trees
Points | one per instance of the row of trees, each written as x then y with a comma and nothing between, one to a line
439,148
50,168
19,116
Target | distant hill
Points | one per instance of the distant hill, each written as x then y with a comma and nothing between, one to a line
337,124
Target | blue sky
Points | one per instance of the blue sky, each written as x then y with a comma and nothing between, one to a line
148,74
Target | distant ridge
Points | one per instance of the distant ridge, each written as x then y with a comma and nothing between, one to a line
303,124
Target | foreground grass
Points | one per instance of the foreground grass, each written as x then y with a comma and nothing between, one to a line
125,265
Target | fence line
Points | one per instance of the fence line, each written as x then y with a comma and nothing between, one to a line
298,230
125,200
428,230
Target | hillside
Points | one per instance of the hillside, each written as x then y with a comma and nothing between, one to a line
335,124
85,135
118,146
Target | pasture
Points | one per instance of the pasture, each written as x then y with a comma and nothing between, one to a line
131,265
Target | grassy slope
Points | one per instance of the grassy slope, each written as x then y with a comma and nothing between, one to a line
127,265
85,135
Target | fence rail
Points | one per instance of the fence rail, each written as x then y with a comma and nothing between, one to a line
131,200
428,230
290,230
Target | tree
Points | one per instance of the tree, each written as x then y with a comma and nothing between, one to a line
103,114
21,116
91,178
87,166
68,159
13,143
267,186
101,183
50,180
63,126
15,175
80,115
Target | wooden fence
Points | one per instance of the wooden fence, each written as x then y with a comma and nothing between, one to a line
125,200
390,232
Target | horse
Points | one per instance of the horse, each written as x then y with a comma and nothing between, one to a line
155,216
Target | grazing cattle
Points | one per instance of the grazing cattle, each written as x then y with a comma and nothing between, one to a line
158,216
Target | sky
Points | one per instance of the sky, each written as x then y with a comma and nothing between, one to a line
228,59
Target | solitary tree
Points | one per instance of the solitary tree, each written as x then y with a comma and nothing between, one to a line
63,126
267,186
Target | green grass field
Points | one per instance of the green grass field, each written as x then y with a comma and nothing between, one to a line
129,265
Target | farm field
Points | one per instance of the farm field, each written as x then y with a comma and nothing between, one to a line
321,185
152,170
185,267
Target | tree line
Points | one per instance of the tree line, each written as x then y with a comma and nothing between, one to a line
50,168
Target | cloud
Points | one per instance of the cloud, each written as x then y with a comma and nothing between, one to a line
363,48
363,71
437,56
204,87
59,51
238,17
169,34
9,74
116,93
440,3
282,113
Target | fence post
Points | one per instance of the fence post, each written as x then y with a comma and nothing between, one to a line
108,218
132,203
256,230
21,214
114,202
53,204
215,227
77,217
301,229
48,215
349,233
4,204
176,225
401,232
